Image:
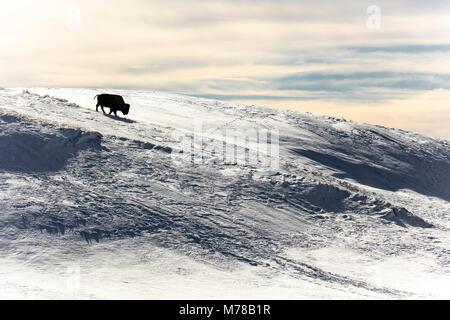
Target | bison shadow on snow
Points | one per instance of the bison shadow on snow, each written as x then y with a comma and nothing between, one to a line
117,118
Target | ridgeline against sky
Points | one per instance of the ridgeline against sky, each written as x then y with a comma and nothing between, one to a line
384,63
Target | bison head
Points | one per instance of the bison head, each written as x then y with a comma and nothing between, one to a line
126,108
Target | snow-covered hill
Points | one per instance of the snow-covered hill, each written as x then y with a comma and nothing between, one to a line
94,206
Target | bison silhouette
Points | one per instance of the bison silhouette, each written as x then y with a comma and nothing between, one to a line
113,102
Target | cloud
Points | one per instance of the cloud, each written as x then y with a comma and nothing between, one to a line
355,81
255,51
410,49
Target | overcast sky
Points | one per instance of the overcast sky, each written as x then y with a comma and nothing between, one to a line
389,67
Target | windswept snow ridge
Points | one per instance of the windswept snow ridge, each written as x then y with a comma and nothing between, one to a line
26,148
347,208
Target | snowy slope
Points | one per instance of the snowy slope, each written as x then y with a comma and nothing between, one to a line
353,210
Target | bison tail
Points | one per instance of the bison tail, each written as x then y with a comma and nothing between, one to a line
96,96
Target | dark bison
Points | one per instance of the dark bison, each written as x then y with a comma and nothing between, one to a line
113,102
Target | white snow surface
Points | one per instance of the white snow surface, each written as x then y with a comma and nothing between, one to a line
94,206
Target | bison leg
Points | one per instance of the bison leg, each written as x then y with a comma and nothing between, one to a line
96,107
115,113
103,110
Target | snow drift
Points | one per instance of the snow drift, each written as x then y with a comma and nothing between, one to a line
26,149
75,181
